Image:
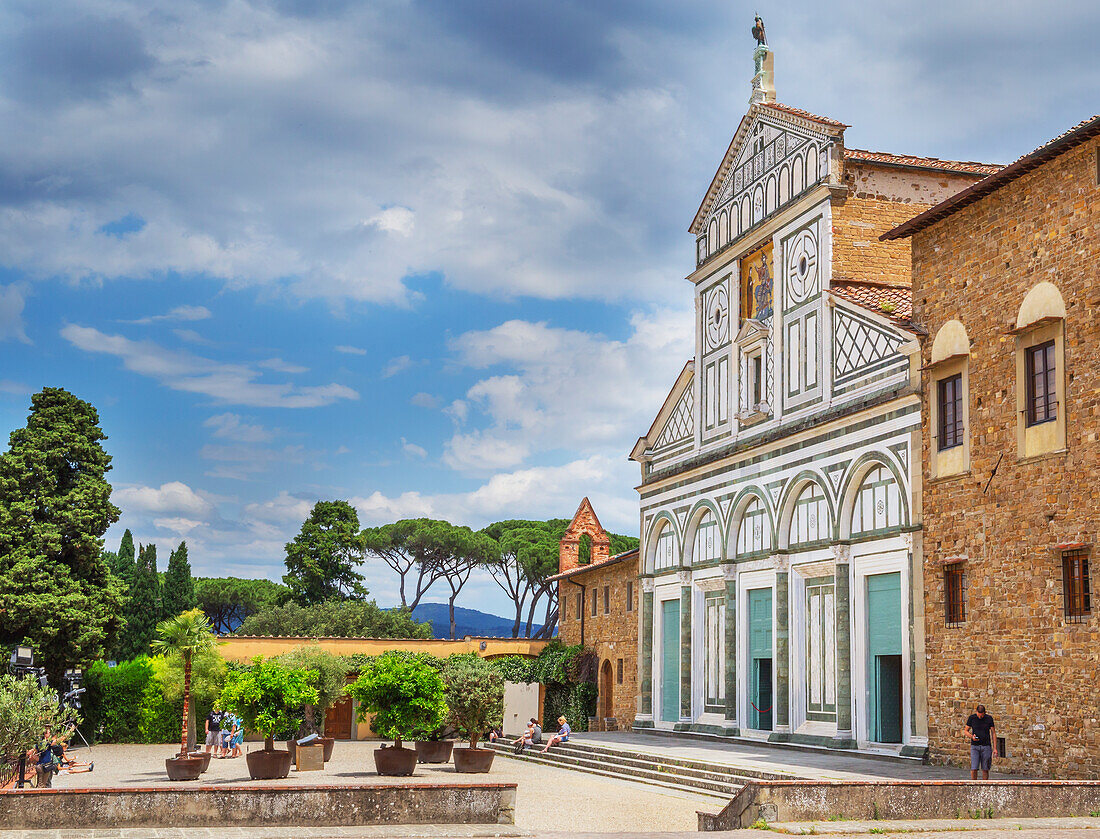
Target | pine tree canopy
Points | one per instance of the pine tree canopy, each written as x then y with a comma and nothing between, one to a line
321,561
56,590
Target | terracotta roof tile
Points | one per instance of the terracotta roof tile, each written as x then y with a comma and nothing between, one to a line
1085,130
966,166
798,112
893,302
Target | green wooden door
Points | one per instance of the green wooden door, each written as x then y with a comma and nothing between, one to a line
884,658
670,660
760,658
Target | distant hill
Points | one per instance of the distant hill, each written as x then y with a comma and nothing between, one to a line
467,621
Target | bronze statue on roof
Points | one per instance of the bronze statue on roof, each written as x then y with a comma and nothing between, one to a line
758,31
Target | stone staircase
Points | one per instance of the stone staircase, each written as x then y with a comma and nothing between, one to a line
659,770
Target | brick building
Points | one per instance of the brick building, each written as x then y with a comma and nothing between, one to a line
597,608
1006,279
780,501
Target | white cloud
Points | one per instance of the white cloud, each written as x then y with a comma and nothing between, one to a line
348,350
397,365
283,509
562,389
177,524
13,388
173,497
233,384
180,313
424,400
192,337
394,220
11,314
413,449
280,366
231,427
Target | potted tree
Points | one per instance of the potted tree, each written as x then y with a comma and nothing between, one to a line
433,746
475,697
269,699
26,710
186,634
207,679
331,677
405,695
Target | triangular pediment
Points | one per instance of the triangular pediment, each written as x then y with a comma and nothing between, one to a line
776,153
751,332
675,422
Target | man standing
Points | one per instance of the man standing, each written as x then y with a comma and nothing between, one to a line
979,729
214,731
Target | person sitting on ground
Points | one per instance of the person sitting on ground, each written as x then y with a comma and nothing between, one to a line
494,734
561,737
214,731
46,762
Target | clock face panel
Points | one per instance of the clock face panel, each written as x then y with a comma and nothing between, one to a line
716,313
802,267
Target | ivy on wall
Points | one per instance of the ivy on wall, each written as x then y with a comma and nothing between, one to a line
569,676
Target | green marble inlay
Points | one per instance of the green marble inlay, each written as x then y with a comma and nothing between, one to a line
646,658
731,649
685,651
782,652
843,650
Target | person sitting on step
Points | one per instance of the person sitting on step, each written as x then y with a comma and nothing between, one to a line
561,737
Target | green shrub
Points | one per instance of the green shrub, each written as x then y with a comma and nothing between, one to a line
405,694
115,700
269,698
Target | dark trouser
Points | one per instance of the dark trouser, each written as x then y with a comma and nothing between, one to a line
44,776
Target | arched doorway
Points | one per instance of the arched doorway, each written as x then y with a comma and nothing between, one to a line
607,698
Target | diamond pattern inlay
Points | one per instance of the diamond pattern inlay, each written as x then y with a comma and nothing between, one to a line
681,424
859,344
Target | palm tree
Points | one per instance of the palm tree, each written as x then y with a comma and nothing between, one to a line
187,634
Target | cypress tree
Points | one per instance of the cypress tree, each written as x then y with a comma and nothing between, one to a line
143,610
56,591
179,588
124,559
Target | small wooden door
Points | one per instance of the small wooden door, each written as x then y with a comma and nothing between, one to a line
338,719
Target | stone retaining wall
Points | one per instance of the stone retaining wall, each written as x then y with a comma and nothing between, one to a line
252,805
801,801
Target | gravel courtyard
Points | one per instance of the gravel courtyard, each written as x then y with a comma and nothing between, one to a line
547,798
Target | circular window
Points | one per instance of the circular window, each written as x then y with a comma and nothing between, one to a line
802,267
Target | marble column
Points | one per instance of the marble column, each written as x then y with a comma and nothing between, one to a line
730,575
843,624
685,645
782,655
645,656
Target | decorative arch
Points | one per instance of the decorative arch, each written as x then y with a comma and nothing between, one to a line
792,514
1043,302
727,225
758,201
747,503
712,235
746,214
656,528
771,197
950,341
853,481
784,184
703,508
811,164
798,175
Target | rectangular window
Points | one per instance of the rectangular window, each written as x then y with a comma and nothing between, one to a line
607,600
757,378
630,595
619,669
580,605
954,587
595,602
951,412
1075,583
1040,390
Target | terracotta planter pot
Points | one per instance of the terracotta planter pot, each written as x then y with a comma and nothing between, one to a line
329,743
433,751
183,768
393,761
473,760
265,766
205,757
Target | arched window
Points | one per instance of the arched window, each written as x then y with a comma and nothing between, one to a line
878,503
664,556
810,519
708,543
754,535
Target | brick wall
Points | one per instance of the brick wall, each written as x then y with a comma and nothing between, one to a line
613,636
1016,653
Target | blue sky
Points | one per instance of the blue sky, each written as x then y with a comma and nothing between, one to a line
425,256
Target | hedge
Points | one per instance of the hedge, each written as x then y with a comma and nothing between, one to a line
124,704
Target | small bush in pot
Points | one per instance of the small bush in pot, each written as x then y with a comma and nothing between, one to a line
269,699
475,696
405,695
331,677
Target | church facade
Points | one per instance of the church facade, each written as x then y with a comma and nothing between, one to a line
781,559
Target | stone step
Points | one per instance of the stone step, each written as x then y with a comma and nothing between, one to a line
718,774
652,777
740,774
